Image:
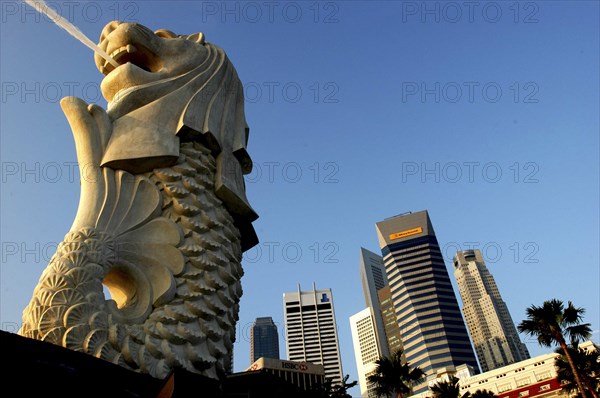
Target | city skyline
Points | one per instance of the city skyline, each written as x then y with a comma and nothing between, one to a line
525,162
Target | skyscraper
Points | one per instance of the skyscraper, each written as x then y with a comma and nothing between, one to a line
493,332
390,322
373,278
264,340
433,332
366,351
311,331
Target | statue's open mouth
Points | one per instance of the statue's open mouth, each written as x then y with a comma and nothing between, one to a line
129,43
143,60
137,55
135,48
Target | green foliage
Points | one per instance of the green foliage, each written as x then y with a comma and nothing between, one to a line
552,323
329,390
446,389
587,363
395,376
480,394
451,389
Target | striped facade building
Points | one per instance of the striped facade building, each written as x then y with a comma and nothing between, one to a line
311,331
432,329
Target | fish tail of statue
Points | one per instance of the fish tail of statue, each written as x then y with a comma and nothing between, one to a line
170,255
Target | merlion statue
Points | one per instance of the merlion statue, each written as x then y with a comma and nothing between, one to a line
163,217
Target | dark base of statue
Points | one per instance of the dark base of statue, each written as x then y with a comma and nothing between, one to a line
34,368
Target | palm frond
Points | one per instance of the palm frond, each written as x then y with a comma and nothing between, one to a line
577,333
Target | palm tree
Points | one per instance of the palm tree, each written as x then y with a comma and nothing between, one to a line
451,389
481,394
446,389
329,390
395,376
341,391
552,323
588,364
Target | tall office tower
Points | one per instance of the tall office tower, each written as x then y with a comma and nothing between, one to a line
493,332
433,332
366,352
264,341
373,278
390,322
311,332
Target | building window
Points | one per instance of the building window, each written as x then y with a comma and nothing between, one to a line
523,382
544,376
504,387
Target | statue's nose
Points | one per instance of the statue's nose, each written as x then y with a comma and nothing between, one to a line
109,28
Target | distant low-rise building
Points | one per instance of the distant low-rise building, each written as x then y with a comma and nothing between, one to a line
304,375
534,377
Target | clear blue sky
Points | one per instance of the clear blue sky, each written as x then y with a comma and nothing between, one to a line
487,117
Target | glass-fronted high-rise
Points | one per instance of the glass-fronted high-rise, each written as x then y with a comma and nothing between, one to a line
264,340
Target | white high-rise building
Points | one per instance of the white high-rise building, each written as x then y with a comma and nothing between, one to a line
311,331
366,350
492,330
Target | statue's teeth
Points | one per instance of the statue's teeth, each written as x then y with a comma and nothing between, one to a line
107,68
116,54
125,49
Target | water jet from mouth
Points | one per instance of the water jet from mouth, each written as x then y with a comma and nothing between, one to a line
41,7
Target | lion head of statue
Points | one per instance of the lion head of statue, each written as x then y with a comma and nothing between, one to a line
169,89
145,57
